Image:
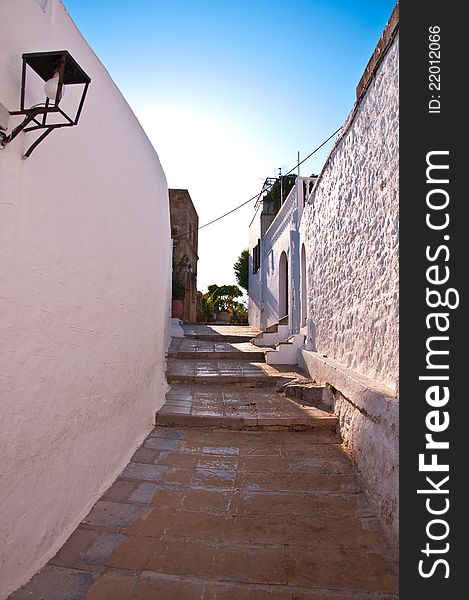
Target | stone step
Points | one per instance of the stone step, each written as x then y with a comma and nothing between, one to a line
217,355
219,333
239,408
219,338
309,393
234,372
202,349
271,337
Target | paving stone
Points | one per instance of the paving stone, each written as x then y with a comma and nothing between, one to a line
121,489
255,564
362,571
156,586
200,526
56,583
152,522
112,514
221,451
144,492
214,502
72,552
176,410
248,502
244,591
161,444
143,471
112,585
102,548
178,459
194,558
166,418
209,477
132,553
168,497
171,434
177,475
145,455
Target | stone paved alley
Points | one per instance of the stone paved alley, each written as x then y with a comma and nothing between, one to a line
238,493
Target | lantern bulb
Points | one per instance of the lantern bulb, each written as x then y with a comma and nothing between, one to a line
50,87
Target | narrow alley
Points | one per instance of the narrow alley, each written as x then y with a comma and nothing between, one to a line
238,492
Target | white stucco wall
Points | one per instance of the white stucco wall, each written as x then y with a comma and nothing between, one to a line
350,230
282,236
275,242
84,296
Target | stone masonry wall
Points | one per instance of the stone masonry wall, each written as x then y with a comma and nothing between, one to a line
184,219
350,230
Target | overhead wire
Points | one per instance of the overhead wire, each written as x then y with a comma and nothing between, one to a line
262,191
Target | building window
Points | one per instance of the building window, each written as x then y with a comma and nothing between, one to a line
256,257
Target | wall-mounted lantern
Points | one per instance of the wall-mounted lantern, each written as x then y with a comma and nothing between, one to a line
58,69
190,270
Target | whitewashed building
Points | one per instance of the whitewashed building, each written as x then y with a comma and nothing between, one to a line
277,300
324,269
85,280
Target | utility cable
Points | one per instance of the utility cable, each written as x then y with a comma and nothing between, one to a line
267,189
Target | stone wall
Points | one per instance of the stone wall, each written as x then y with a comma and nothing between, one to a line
85,292
184,224
350,232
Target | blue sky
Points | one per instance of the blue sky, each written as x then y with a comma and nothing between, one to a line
228,92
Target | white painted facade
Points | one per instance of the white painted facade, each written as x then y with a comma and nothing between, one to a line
342,252
255,287
85,270
275,289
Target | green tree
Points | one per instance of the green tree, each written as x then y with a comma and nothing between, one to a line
241,269
240,313
207,308
221,297
279,191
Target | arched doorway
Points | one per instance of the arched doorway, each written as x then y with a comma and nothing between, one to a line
304,299
283,287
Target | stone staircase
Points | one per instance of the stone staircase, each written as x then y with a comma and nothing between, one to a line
195,348
271,336
285,353
219,379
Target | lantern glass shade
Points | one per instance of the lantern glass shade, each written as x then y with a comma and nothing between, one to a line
57,69
51,86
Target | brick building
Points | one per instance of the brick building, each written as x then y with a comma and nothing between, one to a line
184,224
